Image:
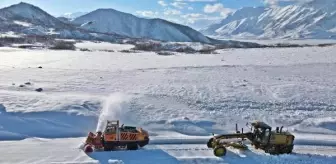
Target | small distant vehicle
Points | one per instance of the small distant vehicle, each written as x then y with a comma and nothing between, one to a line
116,137
261,137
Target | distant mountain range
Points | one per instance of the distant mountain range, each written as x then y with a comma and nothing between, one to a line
113,21
315,19
106,24
24,18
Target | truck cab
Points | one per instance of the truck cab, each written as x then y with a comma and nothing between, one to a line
130,137
111,132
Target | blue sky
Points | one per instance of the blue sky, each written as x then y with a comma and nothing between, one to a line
195,13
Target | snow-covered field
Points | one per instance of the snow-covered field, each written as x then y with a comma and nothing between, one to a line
103,46
288,41
180,99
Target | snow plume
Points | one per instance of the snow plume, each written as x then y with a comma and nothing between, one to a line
115,108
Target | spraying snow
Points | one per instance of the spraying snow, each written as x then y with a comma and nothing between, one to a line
115,108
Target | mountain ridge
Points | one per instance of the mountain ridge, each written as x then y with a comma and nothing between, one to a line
311,20
114,21
27,12
26,18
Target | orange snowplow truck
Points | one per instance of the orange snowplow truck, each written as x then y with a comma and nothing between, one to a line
115,136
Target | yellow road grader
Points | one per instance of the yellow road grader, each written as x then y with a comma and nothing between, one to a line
261,137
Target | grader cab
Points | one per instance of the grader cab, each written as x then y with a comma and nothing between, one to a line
261,136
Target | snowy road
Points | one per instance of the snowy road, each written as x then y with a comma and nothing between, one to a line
66,151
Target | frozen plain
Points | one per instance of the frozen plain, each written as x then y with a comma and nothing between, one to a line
177,98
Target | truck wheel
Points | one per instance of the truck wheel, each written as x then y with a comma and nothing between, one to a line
88,149
256,146
144,143
220,151
209,144
109,148
132,146
272,150
289,149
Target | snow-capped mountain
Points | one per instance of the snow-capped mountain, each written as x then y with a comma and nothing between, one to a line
106,24
113,21
25,12
24,18
28,19
314,19
102,24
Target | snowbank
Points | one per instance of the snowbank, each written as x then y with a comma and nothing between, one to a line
63,151
317,125
46,116
103,46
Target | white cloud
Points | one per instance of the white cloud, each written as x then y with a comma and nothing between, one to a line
213,8
276,2
171,12
271,2
192,17
198,20
196,0
217,8
179,5
190,8
147,13
162,3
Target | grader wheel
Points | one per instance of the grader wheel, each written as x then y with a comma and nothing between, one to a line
220,151
209,144
289,149
273,150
